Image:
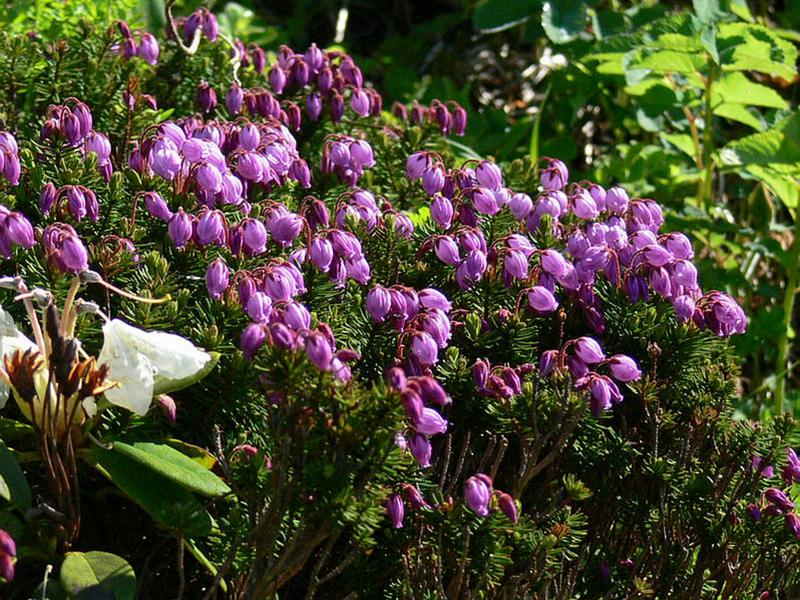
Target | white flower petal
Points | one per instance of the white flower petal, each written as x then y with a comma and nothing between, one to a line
159,361
11,340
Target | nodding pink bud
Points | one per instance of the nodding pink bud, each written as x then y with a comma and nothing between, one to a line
318,350
395,510
617,200
588,350
779,499
430,422
337,106
480,373
277,79
148,49
217,278
124,29
378,303
210,26
211,228
793,524
259,307
18,230
424,348
624,368
555,175
253,337
417,164
489,175
359,101
168,408
156,206
206,97
8,551
542,300
259,57
548,362
459,121
179,228
477,495
73,256
286,228
433,180
507,505
412,495
234,99
447,250
396,378
47,197
71,128
442,211
432,298
421,450
128,48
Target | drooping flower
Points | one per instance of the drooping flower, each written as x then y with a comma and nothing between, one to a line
477,493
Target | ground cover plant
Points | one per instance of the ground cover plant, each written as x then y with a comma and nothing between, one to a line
264,337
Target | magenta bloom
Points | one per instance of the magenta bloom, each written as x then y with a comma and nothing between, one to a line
542,300
477,494
624,368
395,510
318,350
8,552
588,350
217,278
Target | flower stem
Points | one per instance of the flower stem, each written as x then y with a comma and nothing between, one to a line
788,309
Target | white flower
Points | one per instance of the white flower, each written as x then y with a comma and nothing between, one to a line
148,363
11,340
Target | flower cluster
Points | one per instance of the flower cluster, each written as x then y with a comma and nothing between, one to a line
601,232
141,44
450,116
478,493
73,122
581,357
77,200
775,502
347,157
221,161
395,504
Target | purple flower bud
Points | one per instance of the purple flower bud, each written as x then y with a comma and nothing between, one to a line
148,48
396,378
754,512
430,422
779,499
209,178
520,205
507,505
206,97
583,205
321,253
217,278
624,368
156,206
656,256
8,551
314,106
515,264
442,211
259,307
554,176
277,79
447,250
395,510
489,175
477,494
548,362
74,257
286,228
18,230
412,495
234,99
431,298
433,180
483,200
421,450
617,200
211,228
424,348
417,164
552,262
588,350
679,246
76,202
359,102
432,392
378,303
253,337
459,121
179,228
318,350
47,198
542,300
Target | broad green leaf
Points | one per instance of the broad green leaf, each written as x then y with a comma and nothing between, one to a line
736,88
738,112
564,20
682,141
666,61
709,11
199,455
13,486
174,465
171,505
496,15
747,47
772,156
97,575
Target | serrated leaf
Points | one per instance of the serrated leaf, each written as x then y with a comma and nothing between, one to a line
97,575
175,466
737,88
738,112
14,486
171,505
